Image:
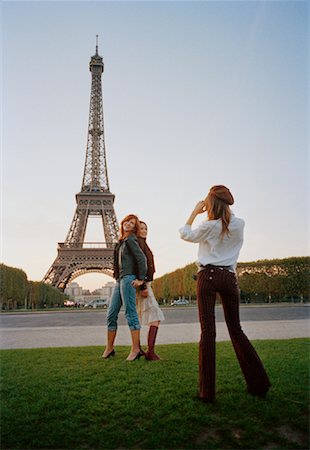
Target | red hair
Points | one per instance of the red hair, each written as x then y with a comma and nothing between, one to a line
136,230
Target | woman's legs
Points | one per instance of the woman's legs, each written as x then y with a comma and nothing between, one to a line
206,296
150,354
109,350
135,351
253,370
112,316
128,294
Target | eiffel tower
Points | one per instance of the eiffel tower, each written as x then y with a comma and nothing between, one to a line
76,257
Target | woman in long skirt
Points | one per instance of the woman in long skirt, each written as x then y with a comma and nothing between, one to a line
148,309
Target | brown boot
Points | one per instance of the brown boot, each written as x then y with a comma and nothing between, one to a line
150,354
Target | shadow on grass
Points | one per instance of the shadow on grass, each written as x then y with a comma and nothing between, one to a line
70,398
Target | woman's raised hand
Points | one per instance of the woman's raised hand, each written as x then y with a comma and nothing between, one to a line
200,207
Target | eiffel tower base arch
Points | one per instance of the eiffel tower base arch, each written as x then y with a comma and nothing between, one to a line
72,262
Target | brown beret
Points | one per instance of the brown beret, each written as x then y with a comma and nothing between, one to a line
223,193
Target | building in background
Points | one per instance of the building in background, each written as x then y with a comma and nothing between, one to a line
106,290
82,296
73,290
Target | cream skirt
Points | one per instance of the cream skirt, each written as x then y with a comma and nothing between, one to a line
148,308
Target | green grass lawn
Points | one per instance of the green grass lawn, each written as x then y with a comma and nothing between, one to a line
70,398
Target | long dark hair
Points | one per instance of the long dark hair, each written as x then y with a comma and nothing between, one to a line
217,205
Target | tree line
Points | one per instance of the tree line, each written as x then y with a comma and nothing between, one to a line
259,281
16,291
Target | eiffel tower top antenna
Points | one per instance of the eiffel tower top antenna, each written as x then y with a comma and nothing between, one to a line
97,44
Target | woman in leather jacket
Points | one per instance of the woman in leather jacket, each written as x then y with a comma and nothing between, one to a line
129,271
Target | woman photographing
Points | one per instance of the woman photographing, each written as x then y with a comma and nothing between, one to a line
220,239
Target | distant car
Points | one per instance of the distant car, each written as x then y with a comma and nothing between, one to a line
97,304
179,302
69,303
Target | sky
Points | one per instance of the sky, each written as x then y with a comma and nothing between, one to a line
194,94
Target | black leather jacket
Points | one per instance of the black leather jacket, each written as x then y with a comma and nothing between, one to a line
129,259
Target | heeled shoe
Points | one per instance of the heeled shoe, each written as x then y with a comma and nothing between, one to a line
112,353
138,356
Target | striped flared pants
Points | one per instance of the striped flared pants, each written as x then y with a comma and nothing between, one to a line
210,281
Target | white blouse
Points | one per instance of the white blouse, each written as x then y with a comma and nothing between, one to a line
212,248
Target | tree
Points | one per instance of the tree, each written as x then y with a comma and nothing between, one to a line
17,292
264,280
13,287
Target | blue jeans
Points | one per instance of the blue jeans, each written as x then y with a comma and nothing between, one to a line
123,292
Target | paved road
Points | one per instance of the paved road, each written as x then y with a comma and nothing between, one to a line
85,328
72,318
